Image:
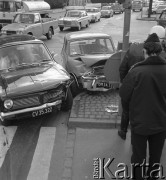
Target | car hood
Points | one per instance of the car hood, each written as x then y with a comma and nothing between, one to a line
15,26
82,64
28,80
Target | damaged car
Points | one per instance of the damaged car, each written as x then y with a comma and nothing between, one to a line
84,56
32,83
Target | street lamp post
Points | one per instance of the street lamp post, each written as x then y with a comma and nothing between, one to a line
126,34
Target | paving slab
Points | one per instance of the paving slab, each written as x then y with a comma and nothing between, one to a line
99,110
91,144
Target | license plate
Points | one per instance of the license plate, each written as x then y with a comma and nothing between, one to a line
41,112
104,85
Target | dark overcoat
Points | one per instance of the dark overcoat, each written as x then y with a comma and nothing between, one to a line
144,88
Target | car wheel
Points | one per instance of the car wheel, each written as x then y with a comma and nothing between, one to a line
109,16
99,19
133,10
79,27
88,24
61,28
75,88
67,104
49,34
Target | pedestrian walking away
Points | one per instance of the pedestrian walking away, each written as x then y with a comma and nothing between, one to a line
133,56
144,90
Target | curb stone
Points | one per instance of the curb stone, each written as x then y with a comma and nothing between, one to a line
68,161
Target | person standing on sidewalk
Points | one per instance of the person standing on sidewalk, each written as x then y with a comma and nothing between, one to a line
133,56
144,89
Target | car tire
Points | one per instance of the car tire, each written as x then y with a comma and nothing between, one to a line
68,102
61,28
75,89
99,19
79,27
87,25
49,34
109,16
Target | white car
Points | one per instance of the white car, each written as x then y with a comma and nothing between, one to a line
74,19
94,14
107,11
158,9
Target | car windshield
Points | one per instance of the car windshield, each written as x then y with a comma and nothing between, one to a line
25,54
24,18
91,46
73,14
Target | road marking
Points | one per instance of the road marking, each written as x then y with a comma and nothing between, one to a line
42,157
6,138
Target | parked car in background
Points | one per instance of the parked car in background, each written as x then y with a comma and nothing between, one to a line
107,11
93,13
74,19
32,83
117,8
32,23
137,5
161,20
84,56
158,9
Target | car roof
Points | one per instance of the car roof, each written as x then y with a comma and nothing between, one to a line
84,35
4,40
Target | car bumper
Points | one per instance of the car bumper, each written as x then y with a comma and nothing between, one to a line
71,25
9,115
98,83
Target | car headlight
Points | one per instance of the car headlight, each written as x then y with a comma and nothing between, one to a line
19,32
3,31
8,104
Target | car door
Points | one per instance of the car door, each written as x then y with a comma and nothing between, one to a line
37,27
84,21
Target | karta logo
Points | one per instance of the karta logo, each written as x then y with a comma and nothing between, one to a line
103,168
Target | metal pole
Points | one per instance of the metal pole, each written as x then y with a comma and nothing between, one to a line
126,34
126,28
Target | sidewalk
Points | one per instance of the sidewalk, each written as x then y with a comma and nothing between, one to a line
93,134
84,146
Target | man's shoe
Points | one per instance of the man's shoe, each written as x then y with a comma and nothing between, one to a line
122,134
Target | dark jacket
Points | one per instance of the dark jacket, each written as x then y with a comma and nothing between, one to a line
144,88
132,56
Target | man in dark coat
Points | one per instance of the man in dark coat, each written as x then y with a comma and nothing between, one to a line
133,56
144,89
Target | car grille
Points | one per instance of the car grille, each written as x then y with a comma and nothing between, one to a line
25,102
10,32
68,23
52,96
39,99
